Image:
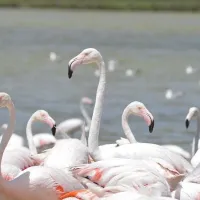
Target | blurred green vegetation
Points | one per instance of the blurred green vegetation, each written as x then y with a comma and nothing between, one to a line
156,5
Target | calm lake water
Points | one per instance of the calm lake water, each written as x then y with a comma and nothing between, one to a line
161,45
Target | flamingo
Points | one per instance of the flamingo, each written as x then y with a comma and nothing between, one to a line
130,109
44,141
15,141
67,152
162,155
124,172
70,126
194,113
39,115
18,159
34,183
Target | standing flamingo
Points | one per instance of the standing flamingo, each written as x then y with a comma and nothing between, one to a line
194,113
34,183
133,151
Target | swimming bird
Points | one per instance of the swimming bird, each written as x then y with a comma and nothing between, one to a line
170,94
190,70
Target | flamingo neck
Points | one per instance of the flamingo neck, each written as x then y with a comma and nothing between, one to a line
29,136
83,135
85,114
126,127
93,139
196,138
8,132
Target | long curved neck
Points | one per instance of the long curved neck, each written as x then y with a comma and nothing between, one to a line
29,136
8,133
196,138
85,114
83,135
126,127
93,140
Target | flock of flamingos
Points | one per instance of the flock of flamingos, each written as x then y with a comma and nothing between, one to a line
73,168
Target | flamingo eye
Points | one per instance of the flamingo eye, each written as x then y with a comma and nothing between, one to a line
43,115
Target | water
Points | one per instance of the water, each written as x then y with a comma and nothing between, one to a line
160,44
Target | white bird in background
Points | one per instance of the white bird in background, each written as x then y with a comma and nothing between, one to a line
15,141
53,57
190,70
112,65
169,94
129,72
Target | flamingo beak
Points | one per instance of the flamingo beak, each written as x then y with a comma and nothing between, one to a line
187,123
148,117
74,62
151,126
53,130
70,72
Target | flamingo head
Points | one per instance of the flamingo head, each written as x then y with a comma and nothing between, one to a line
43,116
193,113
5,100
139,109
87,56
87,100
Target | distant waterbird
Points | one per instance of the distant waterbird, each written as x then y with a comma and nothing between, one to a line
112,65
54,57
170,94
190,70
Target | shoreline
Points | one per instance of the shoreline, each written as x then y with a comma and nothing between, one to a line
107,5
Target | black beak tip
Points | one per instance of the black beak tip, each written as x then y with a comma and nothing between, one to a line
187,123
151,126
53,130
70,72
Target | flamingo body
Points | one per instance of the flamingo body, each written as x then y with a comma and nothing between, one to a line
67,153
